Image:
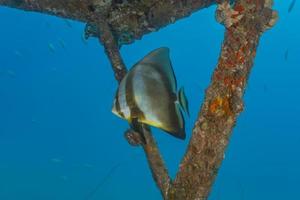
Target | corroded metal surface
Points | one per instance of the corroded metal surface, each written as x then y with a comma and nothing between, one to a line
128,20
244,22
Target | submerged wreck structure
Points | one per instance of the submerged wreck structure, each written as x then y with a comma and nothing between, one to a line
119,22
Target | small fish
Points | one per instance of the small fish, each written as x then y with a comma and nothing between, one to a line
292,5
51,47
62,43
87,165
286,55
68,23
56,160
148,94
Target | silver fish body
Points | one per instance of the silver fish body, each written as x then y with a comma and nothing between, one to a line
148,93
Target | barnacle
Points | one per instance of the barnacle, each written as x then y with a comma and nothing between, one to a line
269,3
228,16
273,19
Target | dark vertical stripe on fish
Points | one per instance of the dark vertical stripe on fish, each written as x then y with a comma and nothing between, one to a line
173,96
118,107
134,110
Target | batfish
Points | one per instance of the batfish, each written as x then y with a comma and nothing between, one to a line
148,94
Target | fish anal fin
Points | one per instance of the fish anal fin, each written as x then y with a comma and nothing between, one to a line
176,133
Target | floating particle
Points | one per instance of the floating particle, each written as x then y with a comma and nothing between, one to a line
54,69
292,5
18,53
241,189
51,47
64,178
48,24
11,73
197,86
218,194
34,121
265,88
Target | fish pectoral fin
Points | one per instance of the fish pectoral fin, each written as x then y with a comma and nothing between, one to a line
183,101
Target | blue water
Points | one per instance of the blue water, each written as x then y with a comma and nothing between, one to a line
59,139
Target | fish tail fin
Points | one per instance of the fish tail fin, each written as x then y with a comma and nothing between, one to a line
183,101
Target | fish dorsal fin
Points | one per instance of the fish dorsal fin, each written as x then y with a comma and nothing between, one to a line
160,59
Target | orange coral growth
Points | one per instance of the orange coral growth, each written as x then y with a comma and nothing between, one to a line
229,63
232,82
217,76
220,106
239,8
233,58
240,57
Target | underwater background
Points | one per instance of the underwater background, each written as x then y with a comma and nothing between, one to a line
59,139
